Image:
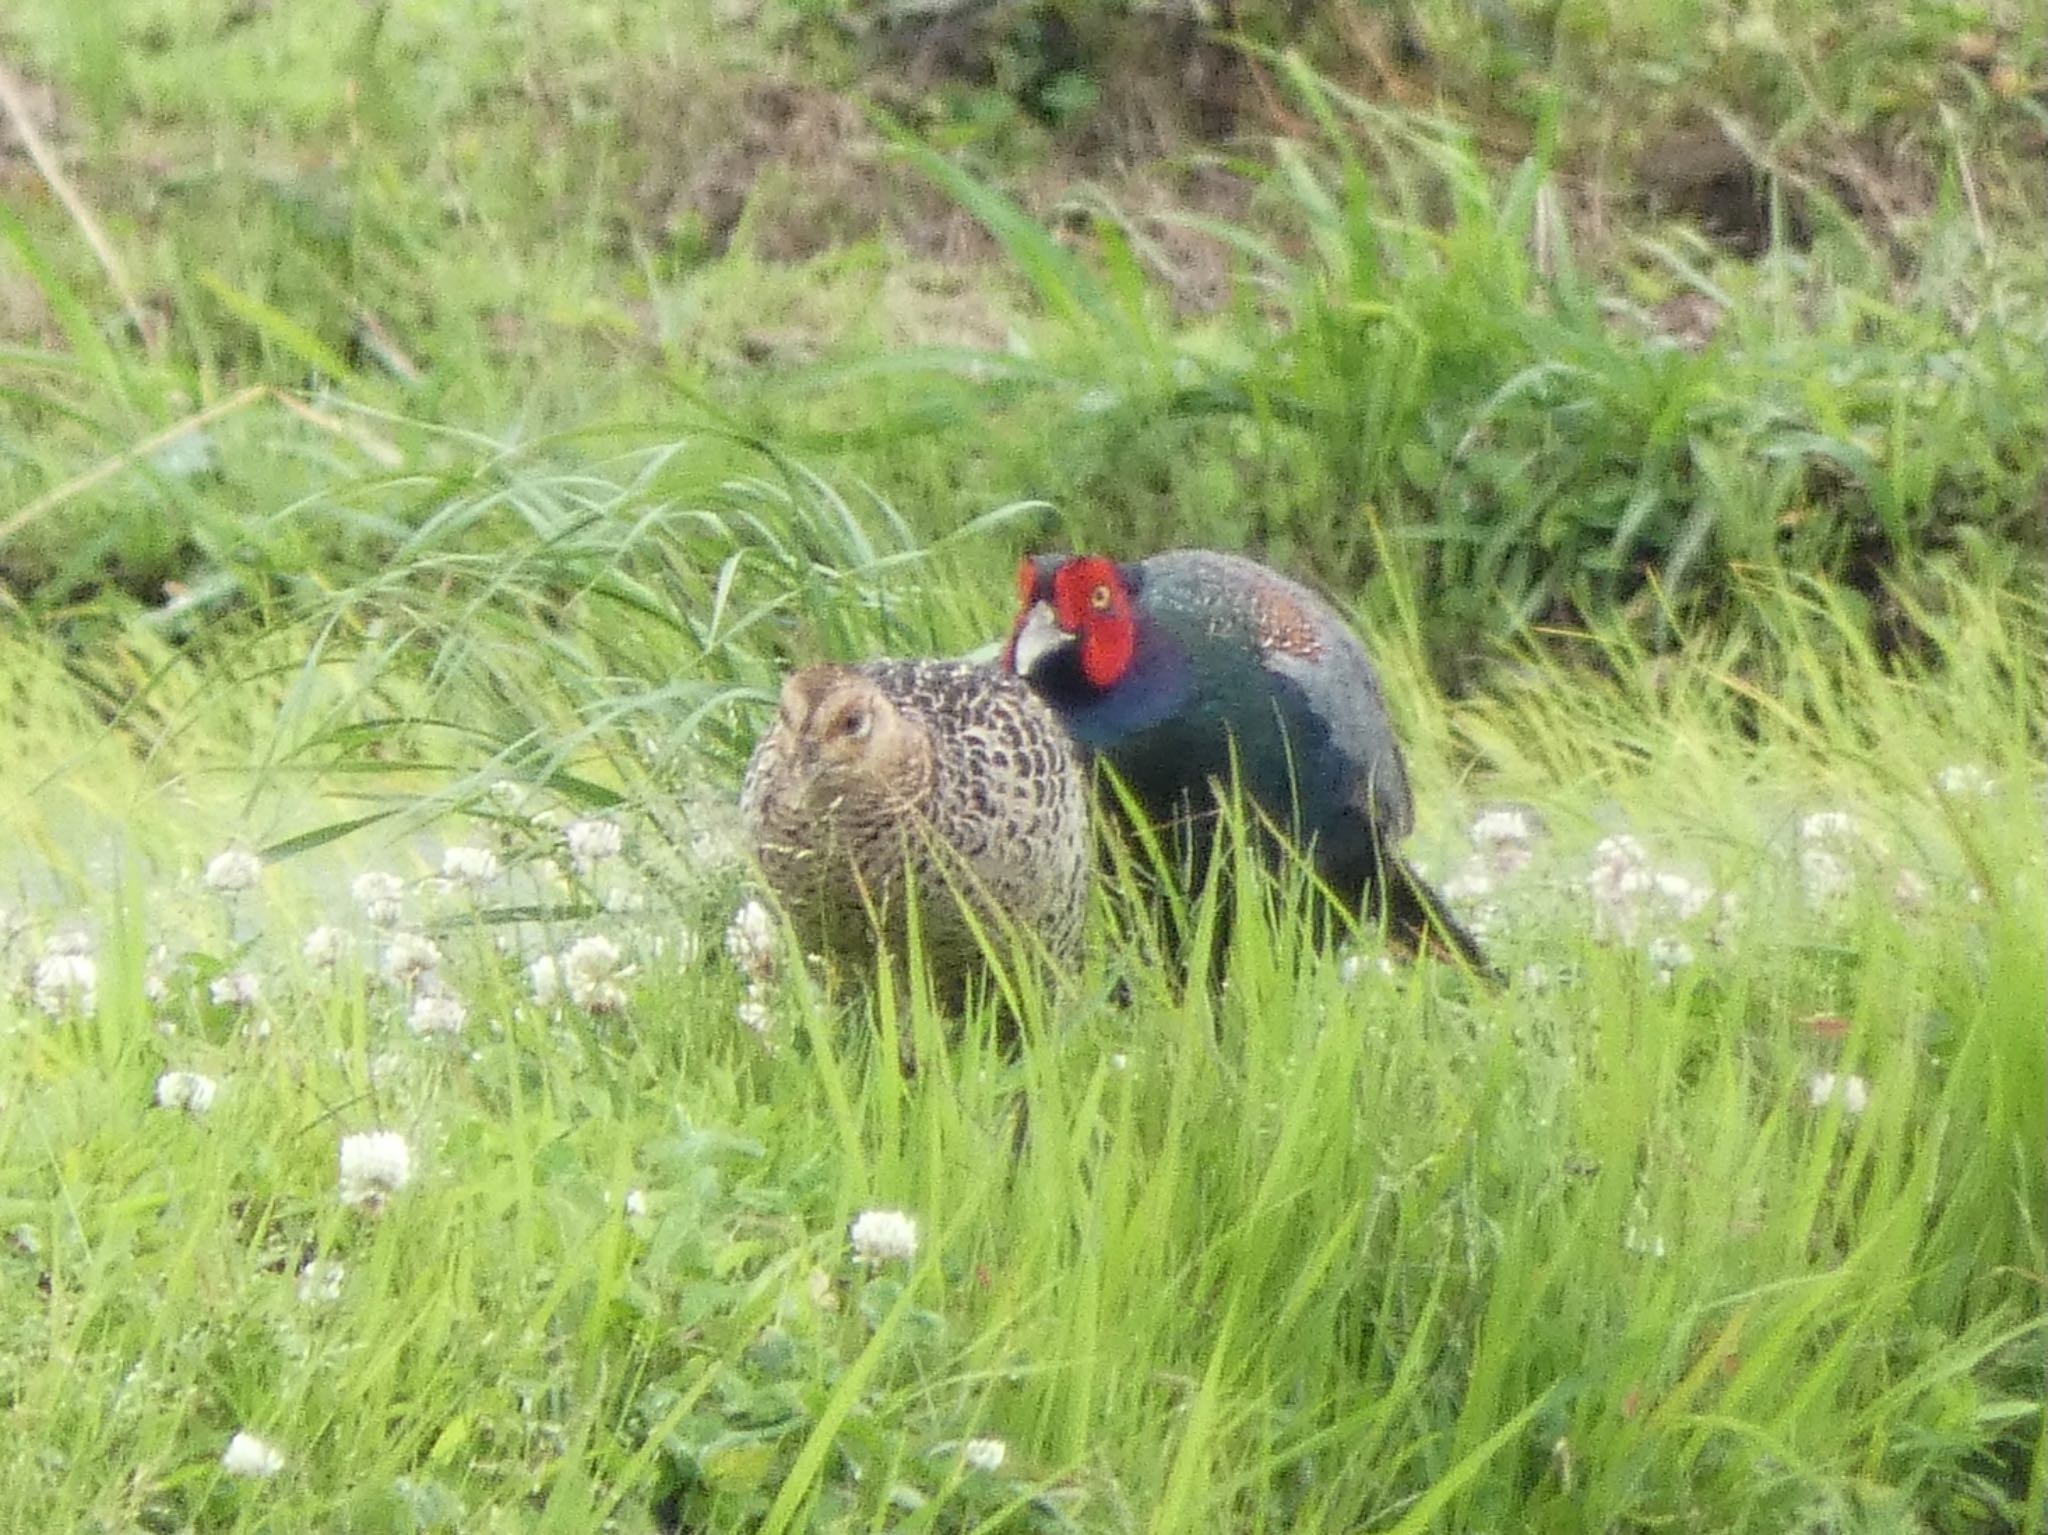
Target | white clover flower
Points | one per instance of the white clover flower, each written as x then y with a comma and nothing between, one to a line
750,939
1621,851
1619,882
246,1455
1505,838
238,989
754,1011
507,795
325,946
636,1203
65,983
879,1236
984,1454
1683,898
1851,1090
1668,956
1634,1241
156,985
545,977
1472,882
436,1012
592,842
374,1165
379,895
591,972
600,997
1828,826
1825,876
72,942
320,1281
186,1090
1965,780
234,871
471,867
410,957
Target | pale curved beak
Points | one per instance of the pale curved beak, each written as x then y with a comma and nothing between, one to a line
1039,636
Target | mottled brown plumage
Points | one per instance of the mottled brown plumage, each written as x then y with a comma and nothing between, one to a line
943,776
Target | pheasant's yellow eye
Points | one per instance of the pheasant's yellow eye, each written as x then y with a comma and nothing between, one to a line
1099,599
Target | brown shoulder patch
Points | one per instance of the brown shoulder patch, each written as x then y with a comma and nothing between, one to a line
1281,623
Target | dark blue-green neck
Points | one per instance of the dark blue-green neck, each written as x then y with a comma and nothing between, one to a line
1158,683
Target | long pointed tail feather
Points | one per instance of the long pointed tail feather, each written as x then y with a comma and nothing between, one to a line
1419,918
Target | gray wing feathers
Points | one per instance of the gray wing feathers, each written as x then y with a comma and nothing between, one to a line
1302,638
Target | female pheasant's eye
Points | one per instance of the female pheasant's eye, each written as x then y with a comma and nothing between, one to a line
853,723
1099,599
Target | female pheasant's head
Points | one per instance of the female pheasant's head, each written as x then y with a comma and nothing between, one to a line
838,726
1076,622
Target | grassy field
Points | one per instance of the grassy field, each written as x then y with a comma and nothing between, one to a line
427,434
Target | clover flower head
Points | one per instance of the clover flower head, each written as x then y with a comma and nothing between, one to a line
1829,826
324,947
1472,882
1965,780
1849,1089
320,1281
234,871
436,1012
471,867
410,957
880,1236
239,989
985,1455
374,1165
591,971
592,842
63,983
1824,874
544,975
246,1455
750,939
1505,838
379,895
186,1090
1668,955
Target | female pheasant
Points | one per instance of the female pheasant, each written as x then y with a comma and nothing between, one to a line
942,777
1192,670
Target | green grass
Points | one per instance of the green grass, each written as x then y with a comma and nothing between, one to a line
1337,1253
1431,360
485,440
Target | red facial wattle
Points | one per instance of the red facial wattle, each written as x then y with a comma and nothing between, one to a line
1092,603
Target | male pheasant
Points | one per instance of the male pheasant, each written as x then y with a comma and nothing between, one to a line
1192,670
943,777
